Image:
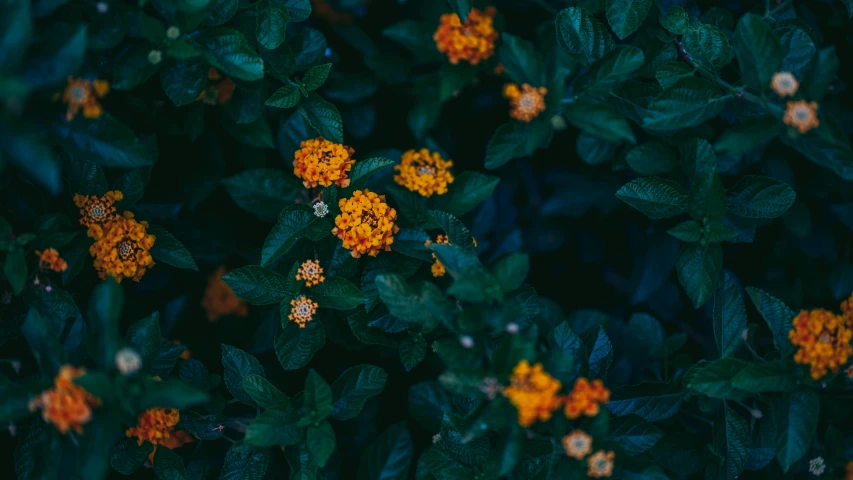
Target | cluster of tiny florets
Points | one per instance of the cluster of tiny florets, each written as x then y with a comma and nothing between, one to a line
322,162
84,95
823,339
526,102
302,310
424,172
311,273
67,405
366,223
473,41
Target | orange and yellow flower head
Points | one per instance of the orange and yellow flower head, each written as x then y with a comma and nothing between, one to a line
96,212
219,300
124,249
311,273
67,405
801,115
823,340
533,392
600,464
321,162
577,444
84,94
437,268
366,224
302,310
784,84
424,172
50,259
472,42
526,103
585,398
219,92
157,426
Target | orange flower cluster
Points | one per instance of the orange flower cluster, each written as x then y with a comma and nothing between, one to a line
66,405
124,249
303,310
311,273
533,392
424,172
849,469
84,94
50,259
823,339
801,115
96,212
585,397
526,102
219,300
218,93
366,223
157,426
784,84
577,444
600,464
473,42
321,162
437,268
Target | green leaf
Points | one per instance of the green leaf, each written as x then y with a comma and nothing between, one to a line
354,387
778,316
606,73
600,120
595,151
16,27
468,190
323,117
168,465
822,72
582,36
321,442
274,427
689,102
127,457
760,197
758,51
299,9
271,31
295,347
170,250
364,169
55,60
731,437
714,379
144,335
796,418
285,97
263,192
626,16
457,233
670,72
698,267
229,51
776,376
748,135
133,68
105,308
729,316
261,286
255,134
316,76
688,231
413,350
521,61
633,433
15,269
651,401
600,354
420,303
236,365
675,20
461,8
263,392
337,293
511,270
652,158
827,146
708,46
108,142
244,463
389,457
291,226
516,139
655,197
317,397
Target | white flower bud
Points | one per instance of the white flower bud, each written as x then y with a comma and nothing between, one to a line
103,7
128,361
511,328
466,341
155,56
173,32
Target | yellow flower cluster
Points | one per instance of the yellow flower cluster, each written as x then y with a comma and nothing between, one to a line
473,42
96,212
823,339
366,223
321,162
424,172
84,94
784,84
67,405
533,392
437,268
801,115
311,273
577,444
219,300
124,249
303,310
526,102
50,259
585,397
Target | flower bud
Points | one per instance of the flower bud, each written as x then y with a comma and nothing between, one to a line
128,361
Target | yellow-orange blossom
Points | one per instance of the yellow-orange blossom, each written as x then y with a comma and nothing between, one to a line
473,41
366,223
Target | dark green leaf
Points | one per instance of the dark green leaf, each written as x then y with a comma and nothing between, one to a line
273,428
144,335
729,316
260,286
389,457
170,250
244,463
168,465
364,169
108,142
698,268
263,192
291,227
238,364
323,117
689,102
263,392
321,442
295,346
655,197
688,231
776,376
626,16
651,401
582,35
229,51
413,349
670,72
778,316
827,146
600,120
600,355
521,61
511,270
271,31
634,434
675,20
714,379
469,190
748,135
354,387
796,421
708,46
606,73
127,457
758,51
285,97
760,197
652,158
15,269
317,397
337,293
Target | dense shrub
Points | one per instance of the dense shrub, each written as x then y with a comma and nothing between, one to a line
435,240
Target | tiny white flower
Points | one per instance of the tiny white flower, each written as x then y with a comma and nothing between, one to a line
558,123
128,361
436,438
512,328
321,209
155,56
817,466
103,7
466,341
173,32
48,289
756,413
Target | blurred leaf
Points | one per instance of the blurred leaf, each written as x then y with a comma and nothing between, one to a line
228,50
796,416
108,142
168,465
273,428
582,36
626,16
634,434
714,379
760,197
184,80
170,250
600,120
675,20
354,387
521,61
321,442
389,457
263,192
689,102
758,51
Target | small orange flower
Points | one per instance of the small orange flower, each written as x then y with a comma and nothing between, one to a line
67,405
784,84
303,310
499,68
321,162
366,224
96,212
437,268
84,94
473,42
124,249
157,426
50,259
526,103
823,339
186,354
217,93
585,397
219,300
801,115
424,172
533,392
577,444
600,464
311,273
